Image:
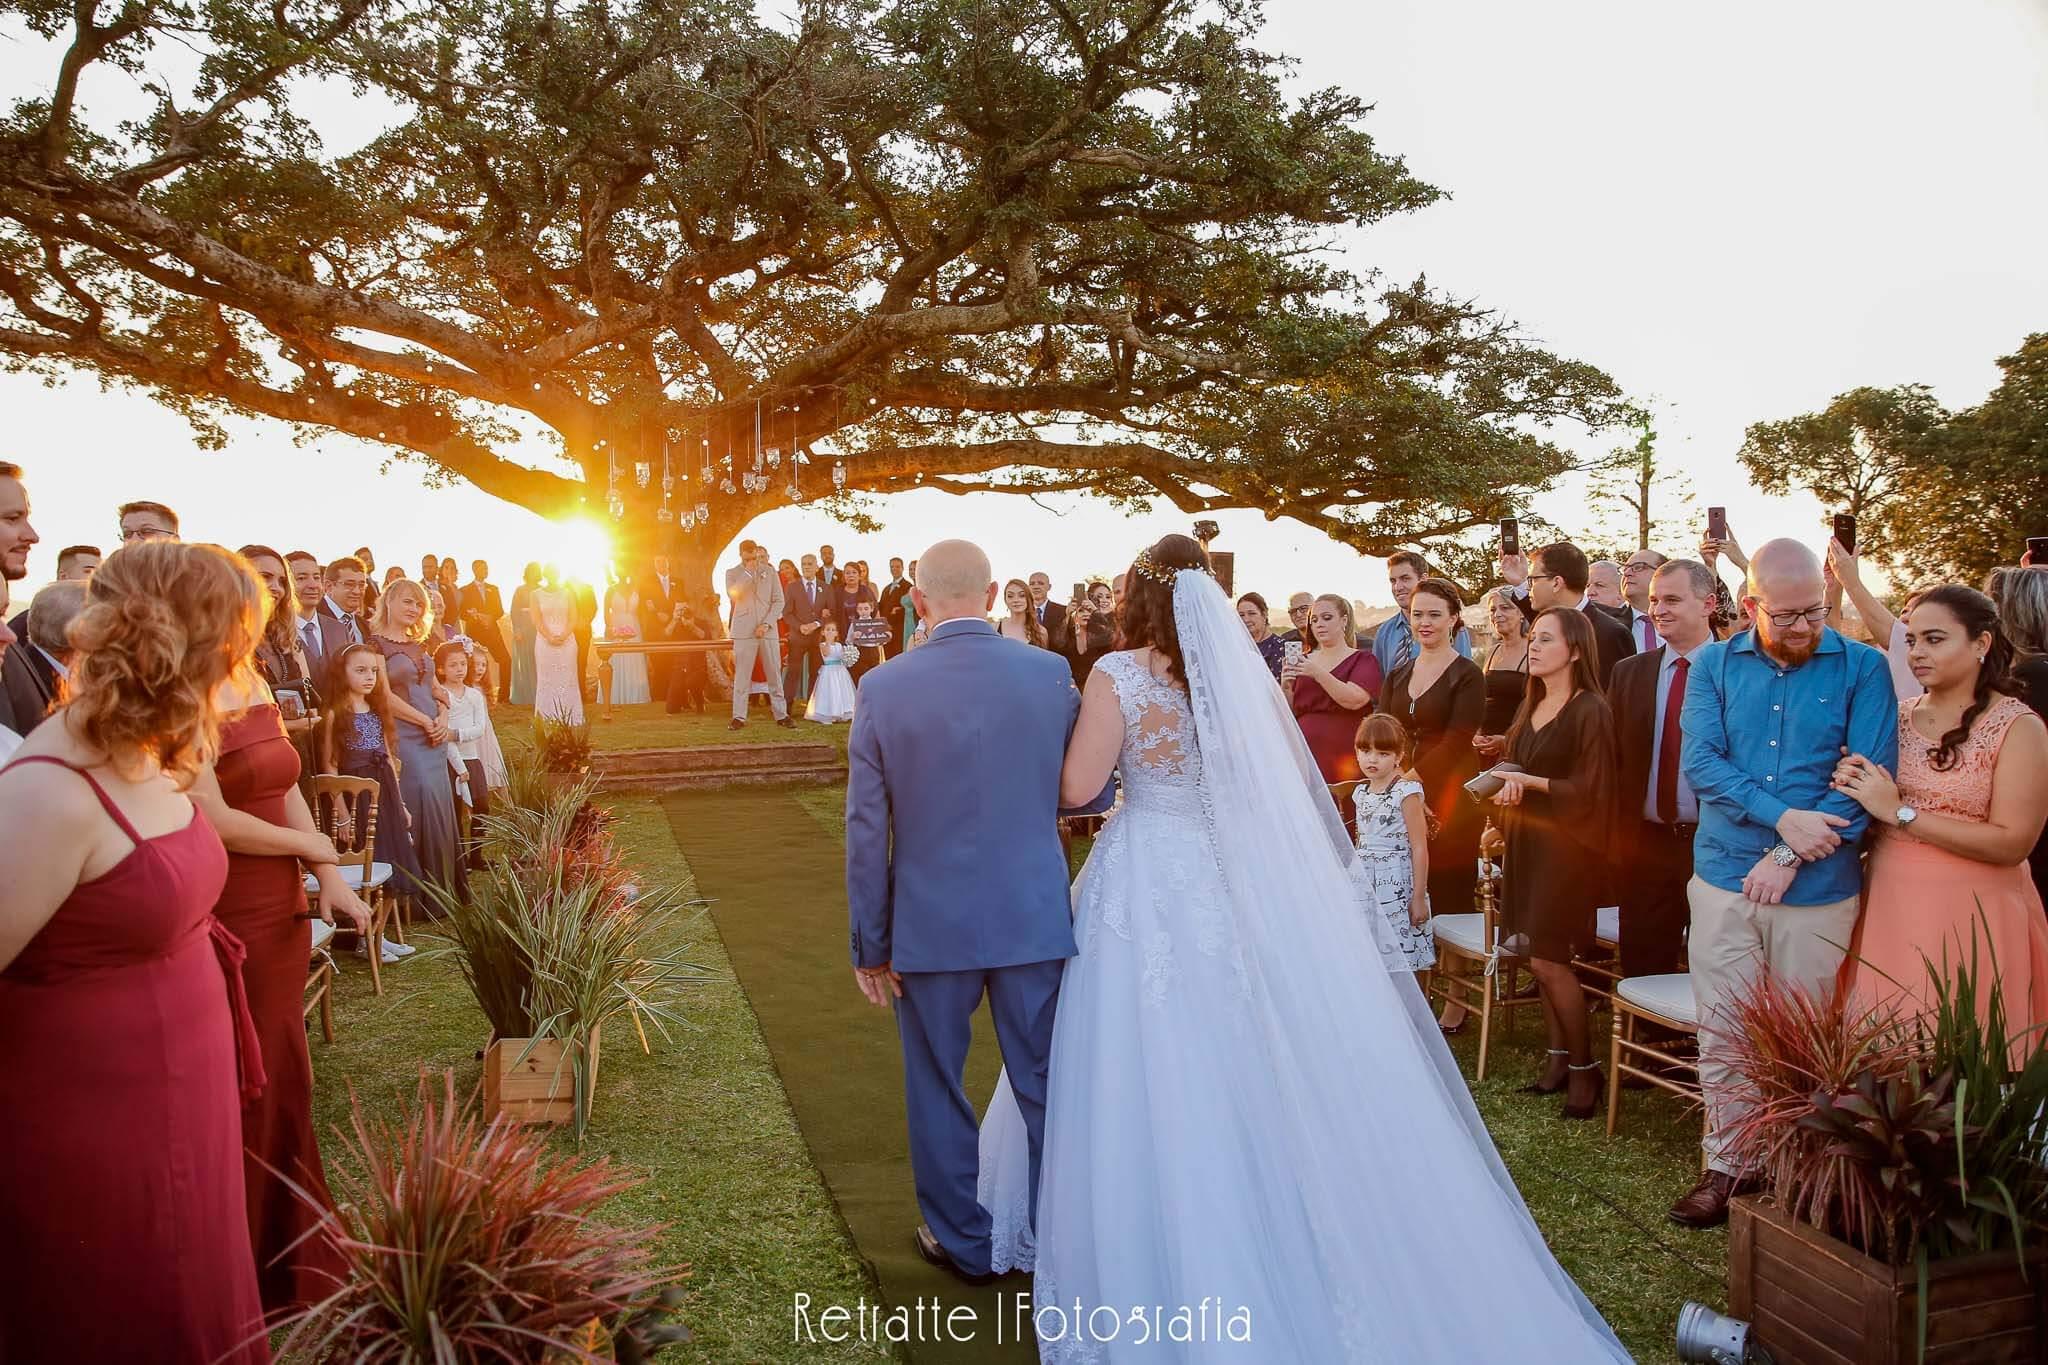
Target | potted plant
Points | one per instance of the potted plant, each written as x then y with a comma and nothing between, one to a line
464,1240
562,747
1906,1213
555,943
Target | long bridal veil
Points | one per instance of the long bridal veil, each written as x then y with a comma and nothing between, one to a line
1347,1186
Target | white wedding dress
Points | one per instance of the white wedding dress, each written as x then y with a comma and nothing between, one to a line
1244,1108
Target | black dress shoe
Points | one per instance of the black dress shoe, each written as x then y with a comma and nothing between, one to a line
787,722
929,1248
737,724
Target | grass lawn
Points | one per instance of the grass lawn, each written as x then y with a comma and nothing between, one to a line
647,726
703,1117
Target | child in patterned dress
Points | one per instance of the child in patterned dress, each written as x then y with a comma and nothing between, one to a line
1392,868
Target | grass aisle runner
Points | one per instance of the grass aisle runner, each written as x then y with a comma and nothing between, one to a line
775,876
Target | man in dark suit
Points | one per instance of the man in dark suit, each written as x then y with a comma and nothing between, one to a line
482,608
805,605
1658,812
1557,576
35,666
829,572
348,585
1051,614
895,594
659,593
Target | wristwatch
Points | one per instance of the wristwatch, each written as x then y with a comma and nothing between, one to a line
1783,856
1906,816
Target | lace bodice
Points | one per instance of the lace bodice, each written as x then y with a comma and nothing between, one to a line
1964,790
1160,762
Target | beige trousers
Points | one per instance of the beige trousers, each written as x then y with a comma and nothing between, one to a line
1732,938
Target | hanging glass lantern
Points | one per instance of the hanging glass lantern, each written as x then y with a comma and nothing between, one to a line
796,494
839,473
643,473
726,487
617,505
663,515
775,457
668,484
689,521
703,511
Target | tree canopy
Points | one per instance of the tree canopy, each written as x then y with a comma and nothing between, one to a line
1012,245
1936,494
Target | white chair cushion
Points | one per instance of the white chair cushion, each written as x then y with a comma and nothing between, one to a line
1669,995
1461,931
1607,924
352,874
323,934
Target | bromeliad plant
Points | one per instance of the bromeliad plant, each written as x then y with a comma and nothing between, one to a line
562,745
1911,1139
469,1241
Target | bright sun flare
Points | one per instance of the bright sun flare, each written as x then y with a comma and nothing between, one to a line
583,549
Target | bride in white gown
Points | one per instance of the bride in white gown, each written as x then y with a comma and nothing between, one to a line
1244,1109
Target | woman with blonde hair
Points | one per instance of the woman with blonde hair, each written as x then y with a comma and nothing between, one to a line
2023,611
121,995
1020,622
1332,686
403,624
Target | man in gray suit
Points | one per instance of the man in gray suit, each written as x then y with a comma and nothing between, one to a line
756,595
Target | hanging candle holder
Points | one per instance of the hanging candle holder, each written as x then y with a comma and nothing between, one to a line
617,505
643,473
689,521
775,457
726,487
839,474
664,515
703,511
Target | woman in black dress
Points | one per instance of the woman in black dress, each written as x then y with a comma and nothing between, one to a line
1559,817
1507,674
1440,696
1089,632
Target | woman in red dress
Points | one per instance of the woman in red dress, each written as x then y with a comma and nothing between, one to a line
250,794
129,1046
1332,687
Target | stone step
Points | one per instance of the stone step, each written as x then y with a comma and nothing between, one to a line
796,775
714,758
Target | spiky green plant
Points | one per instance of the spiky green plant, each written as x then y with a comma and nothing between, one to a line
466,1241
552,944
563,745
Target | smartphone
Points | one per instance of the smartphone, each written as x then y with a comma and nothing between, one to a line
1080,592
1291,652
1510,536
1717,523
290,705
1845,531
2037,549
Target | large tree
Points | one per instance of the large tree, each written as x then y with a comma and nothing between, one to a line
1983,488
1636,479
1857,455
1016,245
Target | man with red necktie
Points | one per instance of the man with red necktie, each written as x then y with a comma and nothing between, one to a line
1658,810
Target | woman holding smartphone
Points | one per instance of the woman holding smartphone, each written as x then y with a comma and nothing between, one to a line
1331,686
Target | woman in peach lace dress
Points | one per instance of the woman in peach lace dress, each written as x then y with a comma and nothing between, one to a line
1950,867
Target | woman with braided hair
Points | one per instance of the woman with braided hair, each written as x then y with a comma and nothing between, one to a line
1948,885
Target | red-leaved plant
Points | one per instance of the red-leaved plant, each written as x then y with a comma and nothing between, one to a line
470,1241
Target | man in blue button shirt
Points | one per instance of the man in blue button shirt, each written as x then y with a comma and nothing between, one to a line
1776,860
1393,644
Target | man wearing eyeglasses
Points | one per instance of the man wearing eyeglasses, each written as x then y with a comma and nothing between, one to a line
147,521
1776,872
1636,574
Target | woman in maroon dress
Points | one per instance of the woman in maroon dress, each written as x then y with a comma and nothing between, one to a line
251,796
129,1046
1332,688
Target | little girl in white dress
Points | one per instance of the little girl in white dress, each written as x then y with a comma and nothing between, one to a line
832,694
1392,868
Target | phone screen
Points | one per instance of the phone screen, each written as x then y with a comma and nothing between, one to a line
1510,536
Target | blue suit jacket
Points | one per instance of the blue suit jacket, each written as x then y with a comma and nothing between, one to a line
953,857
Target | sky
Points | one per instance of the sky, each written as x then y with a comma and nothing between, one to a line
1737,210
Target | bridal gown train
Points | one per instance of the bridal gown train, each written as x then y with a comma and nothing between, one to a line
1244,1106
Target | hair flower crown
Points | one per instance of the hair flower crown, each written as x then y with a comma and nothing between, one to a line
1147,567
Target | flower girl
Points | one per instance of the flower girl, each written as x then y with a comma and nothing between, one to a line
832,697
1393,847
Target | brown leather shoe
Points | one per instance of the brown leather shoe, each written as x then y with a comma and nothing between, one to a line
1706,1204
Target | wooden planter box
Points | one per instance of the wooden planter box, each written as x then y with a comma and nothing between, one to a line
539,1087
1813,1300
